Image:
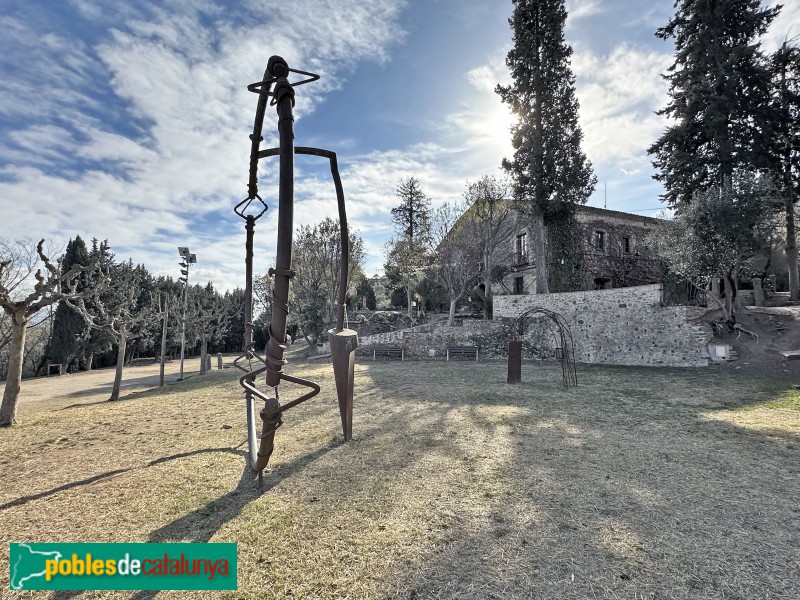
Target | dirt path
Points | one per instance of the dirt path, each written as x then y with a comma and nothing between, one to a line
43,394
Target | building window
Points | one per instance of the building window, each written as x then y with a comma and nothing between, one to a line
521,249
519,285
600,240
626,245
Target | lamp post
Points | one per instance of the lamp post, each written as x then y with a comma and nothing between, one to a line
188,259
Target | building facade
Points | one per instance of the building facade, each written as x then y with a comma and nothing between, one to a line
614,250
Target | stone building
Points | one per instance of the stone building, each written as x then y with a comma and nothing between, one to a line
613,245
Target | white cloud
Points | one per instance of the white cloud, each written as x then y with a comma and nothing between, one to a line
180,160
786,26
578,9
619,94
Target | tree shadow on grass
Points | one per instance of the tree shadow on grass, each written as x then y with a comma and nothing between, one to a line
94,479
200,525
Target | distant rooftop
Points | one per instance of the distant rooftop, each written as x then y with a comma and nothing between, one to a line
605,212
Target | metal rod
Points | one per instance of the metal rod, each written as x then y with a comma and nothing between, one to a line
248,336
284,96
344,262
345,237
256,137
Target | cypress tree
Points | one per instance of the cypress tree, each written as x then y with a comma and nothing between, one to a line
719,96
98,341
786,100
69,328
550,173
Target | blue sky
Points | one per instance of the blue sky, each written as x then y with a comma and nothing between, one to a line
130,120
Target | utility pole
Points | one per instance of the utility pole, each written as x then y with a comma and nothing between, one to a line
188,259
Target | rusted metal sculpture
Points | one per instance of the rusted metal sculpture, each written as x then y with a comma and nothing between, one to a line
565,351
343,341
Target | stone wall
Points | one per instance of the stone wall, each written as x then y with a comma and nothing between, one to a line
491,337
626,326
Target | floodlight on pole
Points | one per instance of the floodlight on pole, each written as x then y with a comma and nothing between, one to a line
188,259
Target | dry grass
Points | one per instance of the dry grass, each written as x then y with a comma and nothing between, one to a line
640,483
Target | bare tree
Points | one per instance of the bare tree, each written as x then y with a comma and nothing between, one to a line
492,219
20,303
120,311
316,256
457,262
209,318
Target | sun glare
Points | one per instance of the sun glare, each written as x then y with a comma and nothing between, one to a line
498,128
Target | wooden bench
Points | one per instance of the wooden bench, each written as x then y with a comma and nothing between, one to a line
388,351
462,351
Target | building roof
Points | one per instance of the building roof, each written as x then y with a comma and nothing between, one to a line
616,214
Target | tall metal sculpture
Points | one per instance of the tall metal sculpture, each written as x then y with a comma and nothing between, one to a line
343,341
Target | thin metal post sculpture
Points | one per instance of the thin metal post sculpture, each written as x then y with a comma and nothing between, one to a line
568,373
343,341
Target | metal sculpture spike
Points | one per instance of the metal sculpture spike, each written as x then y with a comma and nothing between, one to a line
275,85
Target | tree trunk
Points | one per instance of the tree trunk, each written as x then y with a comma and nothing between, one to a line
539,198
487,282
791,245
729,300
89,360
203,347
163,347
539,250
410,296
453,302
788,190
120,363
758,291
8,409
737,299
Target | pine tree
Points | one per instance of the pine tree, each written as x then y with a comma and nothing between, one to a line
786,101
412,217
550,172
719,96
407,254
69,328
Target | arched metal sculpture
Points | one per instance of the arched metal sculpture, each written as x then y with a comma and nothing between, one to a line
343,341
563,339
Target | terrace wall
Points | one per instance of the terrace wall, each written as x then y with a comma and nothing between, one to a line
623,326
626,326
